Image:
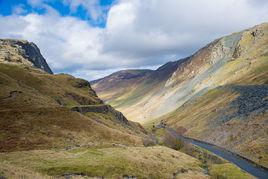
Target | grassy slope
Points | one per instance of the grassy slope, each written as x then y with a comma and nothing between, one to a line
113,87
127,94
33,118
246,136
153,162
217,117
233,115
124,93
214,165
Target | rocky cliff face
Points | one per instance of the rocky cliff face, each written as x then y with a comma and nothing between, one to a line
24,52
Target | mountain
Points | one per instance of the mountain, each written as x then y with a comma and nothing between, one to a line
55,126
218,95
24,52
130,87
119,83
37,106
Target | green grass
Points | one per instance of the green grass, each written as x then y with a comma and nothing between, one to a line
224,171
132,97
203,118
47,88
33,119
142,162
216,166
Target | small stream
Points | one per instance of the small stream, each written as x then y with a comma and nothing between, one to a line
246,165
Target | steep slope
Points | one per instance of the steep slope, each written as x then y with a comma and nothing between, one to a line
232,116
238,103
221,62
119,83
126,93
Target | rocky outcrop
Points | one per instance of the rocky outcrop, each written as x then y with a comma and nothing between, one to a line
24,52
105,109
165,71
82,100
252,101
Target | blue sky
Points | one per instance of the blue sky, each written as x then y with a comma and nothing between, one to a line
63,8
93,38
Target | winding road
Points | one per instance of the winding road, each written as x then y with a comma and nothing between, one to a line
245,164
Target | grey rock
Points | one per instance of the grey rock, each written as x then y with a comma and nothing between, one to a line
105,109
29,51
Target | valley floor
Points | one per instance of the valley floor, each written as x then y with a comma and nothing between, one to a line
117,162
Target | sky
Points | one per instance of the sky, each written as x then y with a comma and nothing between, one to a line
93,38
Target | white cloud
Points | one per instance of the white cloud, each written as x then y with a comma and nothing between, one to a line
262,3
63,40
93,8
138,33
35,3
163,27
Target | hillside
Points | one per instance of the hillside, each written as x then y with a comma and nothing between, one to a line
119,83
125,89
219,95
233,113
36,110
